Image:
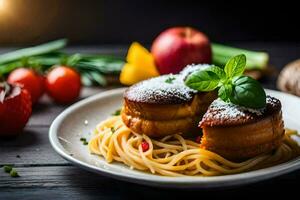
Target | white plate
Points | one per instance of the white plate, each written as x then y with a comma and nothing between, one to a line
67,129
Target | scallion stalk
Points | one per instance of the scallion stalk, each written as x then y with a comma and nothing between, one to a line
255,59
33,51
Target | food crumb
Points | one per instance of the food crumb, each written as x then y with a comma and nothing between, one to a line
10,170
7,168
14,173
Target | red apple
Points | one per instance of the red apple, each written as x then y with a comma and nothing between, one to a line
177,47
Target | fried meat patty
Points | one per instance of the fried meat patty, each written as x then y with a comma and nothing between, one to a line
163,106
239,133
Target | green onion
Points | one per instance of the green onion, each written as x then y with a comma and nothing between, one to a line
33,51
92,68
98,78
255,60
86,79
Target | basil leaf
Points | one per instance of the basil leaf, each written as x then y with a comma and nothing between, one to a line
225,92
217,70
248,92
203,80
235,66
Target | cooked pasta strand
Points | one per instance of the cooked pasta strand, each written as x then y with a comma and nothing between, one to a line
175,156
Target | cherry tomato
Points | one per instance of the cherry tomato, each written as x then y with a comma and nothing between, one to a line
30,80
63,84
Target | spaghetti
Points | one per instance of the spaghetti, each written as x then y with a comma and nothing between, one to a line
175,156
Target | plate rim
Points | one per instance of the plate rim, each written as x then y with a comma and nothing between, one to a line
164,181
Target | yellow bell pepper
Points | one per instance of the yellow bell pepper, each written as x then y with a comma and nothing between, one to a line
140,65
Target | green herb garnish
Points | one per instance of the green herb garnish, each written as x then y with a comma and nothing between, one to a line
7,168
232,85
14,173
170,79
83,140
112,129
116,113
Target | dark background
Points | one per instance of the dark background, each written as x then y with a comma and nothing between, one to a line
121,22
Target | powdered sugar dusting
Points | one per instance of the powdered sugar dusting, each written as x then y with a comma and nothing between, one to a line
221,113
162,89
231,110
192,68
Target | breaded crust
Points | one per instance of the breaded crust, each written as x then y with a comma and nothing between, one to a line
160,120
156,128
162,90
163,106
166,89
220,113
249,134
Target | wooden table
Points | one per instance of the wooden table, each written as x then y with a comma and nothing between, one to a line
44,174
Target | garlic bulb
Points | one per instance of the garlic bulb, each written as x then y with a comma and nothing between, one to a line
289,78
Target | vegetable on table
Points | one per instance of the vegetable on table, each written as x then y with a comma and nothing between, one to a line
15,109
33,51
30,80
288,79
255,60
93,69
140,65
63,84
